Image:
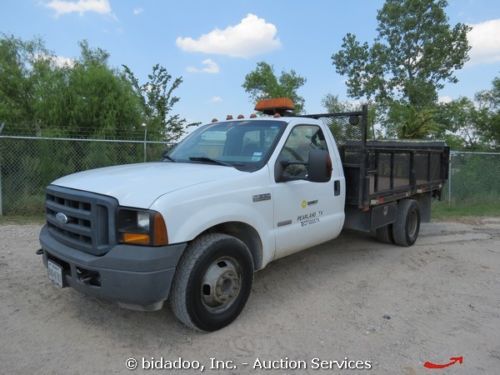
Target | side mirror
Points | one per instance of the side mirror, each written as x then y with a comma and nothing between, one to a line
167,150
319,166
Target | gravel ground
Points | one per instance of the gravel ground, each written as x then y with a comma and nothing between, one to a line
352,297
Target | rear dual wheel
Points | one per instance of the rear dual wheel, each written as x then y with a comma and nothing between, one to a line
404,231
407,225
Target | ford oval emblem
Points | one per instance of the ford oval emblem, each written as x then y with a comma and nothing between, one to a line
62,218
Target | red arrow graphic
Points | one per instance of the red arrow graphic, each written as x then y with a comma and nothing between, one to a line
453,360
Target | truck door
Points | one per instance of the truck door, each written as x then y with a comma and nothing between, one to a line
306,213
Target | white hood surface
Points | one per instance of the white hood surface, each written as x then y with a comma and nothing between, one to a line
139,185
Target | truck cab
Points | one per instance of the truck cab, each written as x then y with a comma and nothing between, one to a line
192,229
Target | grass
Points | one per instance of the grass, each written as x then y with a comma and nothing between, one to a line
18,219
442,210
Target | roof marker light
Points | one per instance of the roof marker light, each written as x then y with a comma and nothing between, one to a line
229,117
253,115
214,120
240,117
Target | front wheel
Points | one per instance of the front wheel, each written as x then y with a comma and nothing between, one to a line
212,282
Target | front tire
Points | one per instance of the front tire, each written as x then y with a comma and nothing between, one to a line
212,282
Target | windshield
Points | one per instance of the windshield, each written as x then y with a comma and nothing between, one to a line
243,144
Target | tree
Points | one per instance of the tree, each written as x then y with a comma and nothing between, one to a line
471,124
82,98
491,98
458,122
97,101
262,83
20,73
489,104
157,101
415,53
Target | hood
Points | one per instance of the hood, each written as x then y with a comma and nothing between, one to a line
139,185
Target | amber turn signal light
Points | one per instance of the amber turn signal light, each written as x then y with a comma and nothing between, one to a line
136,238
160,235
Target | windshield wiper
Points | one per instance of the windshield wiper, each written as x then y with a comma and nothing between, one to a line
210,160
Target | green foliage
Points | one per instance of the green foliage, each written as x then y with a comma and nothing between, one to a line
471,125
84,98
157,101
21,73
415,53
405,121
443,210
262,83
457,124
98,100
489,105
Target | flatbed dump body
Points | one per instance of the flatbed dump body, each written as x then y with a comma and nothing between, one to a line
378,173
381,173
385,171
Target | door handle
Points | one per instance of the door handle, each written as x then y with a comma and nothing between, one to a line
336,187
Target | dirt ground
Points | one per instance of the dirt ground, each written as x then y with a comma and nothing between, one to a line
352,297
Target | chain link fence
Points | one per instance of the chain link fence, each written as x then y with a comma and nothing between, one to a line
474,177
29,164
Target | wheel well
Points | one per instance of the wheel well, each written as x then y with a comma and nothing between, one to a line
244,232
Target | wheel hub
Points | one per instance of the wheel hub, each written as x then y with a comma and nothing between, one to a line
221,284
412,223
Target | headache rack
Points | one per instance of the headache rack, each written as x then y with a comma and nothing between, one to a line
381,171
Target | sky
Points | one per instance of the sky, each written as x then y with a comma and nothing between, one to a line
214,44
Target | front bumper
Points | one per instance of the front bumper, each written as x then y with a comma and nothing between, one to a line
137,277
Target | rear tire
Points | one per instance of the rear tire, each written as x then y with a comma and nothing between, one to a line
407,225
212,282
384,234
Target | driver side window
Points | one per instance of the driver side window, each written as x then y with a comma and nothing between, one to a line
302,139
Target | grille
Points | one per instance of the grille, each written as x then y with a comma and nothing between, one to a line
84,221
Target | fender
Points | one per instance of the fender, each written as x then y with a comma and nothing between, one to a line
191,226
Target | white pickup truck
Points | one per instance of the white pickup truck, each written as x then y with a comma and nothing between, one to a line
225,202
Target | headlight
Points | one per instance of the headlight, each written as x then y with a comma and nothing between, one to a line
141,227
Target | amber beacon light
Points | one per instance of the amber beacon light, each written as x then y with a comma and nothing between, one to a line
274,106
